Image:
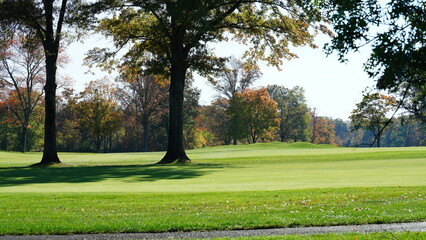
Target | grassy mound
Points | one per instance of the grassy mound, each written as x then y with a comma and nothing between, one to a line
265,146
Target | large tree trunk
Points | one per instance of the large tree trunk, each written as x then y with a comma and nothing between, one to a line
50,155
175,146
51,49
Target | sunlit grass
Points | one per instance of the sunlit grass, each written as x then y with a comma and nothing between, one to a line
228,168
230,187
64,213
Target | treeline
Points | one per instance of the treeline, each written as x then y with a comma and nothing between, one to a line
132,115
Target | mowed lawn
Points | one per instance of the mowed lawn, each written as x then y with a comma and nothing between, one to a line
258,167
230,187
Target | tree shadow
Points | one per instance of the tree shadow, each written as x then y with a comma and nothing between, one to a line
82,174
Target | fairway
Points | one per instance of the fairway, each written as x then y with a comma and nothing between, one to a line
257,167
230,187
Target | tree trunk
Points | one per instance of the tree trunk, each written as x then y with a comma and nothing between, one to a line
24,135
98,142
378,139
145,136
50,154
175,147
254,138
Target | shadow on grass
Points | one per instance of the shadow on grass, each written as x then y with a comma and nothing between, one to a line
81,174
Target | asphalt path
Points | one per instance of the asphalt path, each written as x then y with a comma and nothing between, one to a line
394,227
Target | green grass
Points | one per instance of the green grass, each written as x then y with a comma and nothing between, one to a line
65,213
233,187
255,167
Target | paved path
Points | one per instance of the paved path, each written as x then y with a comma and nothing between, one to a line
394,227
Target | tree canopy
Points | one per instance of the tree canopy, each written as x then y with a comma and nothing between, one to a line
371,114
396,32
293,112
22,71
253,114
172,37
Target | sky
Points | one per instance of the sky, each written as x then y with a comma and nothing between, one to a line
333,88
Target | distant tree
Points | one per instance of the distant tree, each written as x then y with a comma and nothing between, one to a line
396,32
415,103
322,129
98,115
22,70
342,132
292,111
371,114
198,135
314,125
190,114
69,135
236,77
19,113
406,131
216,120
253,114
144,98
325,131
177,33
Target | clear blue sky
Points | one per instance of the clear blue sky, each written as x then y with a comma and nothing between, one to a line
331,87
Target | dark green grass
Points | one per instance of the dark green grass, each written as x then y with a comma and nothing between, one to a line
65,213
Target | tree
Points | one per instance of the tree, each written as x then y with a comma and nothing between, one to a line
342,132
236,77
4,127
190,115
45,19
69,135
324,132
216,120
177,32
98,115
371,114
22,71
19,115
293,112
322,129
406,131
416,103
396,32
253,114
143,98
